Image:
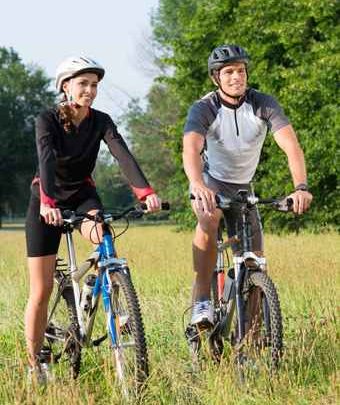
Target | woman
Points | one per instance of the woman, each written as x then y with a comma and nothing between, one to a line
68,139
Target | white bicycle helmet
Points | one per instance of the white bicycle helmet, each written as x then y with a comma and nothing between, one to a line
75,65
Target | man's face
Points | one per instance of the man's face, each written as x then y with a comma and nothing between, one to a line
233,79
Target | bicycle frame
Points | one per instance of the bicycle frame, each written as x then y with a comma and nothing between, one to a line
240,273
104,258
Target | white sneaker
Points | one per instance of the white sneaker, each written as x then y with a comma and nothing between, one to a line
202,314
40,375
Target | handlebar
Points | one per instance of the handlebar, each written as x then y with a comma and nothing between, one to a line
72,217
282,204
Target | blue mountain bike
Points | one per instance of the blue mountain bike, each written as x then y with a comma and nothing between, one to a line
73,310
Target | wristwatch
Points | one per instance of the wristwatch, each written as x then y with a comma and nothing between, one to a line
301,187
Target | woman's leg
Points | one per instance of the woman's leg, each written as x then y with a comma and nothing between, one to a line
41,285
90,231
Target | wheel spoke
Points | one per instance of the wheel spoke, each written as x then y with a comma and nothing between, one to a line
130,353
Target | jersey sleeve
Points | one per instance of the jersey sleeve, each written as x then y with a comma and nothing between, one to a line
128,164
273,114
198,119
46,159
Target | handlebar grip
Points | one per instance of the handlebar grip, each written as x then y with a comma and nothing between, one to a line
165,206
67,214
289,202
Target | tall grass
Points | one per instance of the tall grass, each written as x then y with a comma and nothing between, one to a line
304,269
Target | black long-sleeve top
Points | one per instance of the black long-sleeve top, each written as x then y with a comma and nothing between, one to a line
66,160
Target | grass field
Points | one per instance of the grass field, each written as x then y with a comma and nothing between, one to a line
304,268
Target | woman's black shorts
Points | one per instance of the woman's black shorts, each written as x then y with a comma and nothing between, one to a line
43,239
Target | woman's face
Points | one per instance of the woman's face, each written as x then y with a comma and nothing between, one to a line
82,89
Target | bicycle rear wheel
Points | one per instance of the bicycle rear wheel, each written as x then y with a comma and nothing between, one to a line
263,342
130,350
62,332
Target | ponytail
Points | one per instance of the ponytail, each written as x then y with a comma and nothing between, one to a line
66,114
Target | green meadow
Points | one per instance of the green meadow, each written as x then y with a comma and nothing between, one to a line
304,267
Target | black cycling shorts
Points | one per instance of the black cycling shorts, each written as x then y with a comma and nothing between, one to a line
43,239
233,215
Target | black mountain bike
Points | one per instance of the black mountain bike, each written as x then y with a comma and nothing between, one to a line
247,313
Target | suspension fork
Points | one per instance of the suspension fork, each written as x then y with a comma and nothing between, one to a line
220,268
239,279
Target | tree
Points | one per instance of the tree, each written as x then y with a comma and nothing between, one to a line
23,93
295,51
149,136
112,189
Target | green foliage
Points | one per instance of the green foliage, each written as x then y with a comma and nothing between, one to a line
149,136
295,51
23,93
112,188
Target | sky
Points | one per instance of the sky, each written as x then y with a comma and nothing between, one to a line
114,33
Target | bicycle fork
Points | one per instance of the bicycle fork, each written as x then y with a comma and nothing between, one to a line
239,278
113,318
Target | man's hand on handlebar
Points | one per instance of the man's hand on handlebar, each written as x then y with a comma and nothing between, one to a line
301,201
204,199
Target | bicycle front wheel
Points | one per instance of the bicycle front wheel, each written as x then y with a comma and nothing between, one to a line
129,343
263,340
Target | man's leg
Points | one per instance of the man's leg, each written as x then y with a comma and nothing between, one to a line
204,255
204,260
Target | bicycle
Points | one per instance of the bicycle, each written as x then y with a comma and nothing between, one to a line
73,311
238,289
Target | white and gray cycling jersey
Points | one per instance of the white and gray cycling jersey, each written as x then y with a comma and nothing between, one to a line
234,135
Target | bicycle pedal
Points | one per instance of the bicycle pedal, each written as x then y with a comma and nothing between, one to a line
191,333
204,326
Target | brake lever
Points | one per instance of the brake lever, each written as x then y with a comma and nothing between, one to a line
284,205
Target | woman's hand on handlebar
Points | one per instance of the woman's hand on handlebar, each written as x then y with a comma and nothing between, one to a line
153,203
52,216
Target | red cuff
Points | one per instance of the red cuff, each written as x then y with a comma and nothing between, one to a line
89,180
44,199
142,193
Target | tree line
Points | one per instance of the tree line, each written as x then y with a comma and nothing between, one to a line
295,56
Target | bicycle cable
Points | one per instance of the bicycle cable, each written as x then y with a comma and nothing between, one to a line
122,232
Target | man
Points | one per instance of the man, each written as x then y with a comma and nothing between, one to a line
229,127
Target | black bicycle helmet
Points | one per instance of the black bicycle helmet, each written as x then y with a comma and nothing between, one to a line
224,54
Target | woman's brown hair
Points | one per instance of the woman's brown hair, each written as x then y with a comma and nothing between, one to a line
66,115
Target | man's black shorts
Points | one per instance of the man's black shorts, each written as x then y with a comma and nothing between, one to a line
233,215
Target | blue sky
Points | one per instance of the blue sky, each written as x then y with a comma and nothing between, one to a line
112,32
